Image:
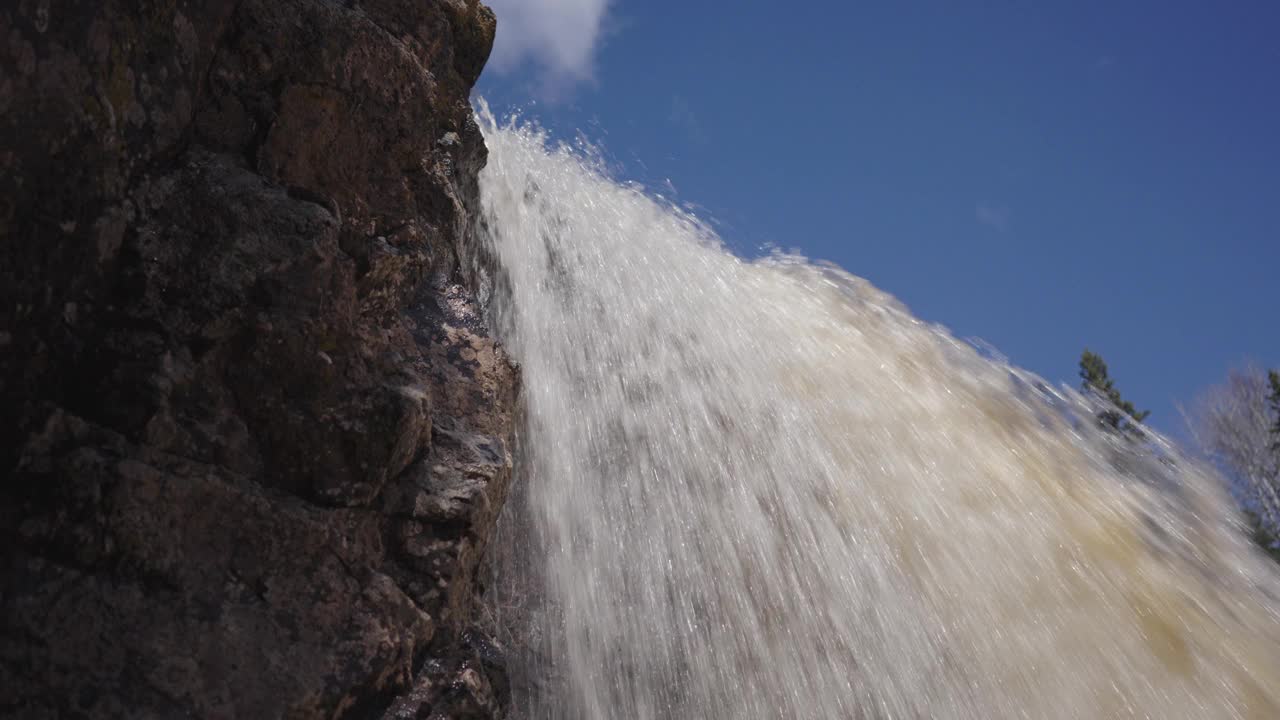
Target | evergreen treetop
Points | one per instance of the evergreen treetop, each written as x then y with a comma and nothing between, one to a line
1095,378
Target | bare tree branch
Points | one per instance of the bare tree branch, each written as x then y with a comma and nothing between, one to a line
1232,424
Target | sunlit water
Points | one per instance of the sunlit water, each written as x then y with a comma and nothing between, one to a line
763,489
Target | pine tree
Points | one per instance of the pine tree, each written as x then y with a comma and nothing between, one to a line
1267,540
1094,377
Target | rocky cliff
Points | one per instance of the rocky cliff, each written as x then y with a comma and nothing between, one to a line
255,432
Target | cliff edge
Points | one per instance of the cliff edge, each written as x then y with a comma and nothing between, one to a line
256,432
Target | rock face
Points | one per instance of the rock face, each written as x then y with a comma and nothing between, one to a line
255,433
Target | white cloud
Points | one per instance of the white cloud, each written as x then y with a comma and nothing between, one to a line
557,39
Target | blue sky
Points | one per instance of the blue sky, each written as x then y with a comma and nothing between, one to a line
1043,178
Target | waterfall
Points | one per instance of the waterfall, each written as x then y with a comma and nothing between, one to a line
763,489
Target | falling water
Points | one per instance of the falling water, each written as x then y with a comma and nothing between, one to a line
763,489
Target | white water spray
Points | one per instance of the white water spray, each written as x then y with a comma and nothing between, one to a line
765,490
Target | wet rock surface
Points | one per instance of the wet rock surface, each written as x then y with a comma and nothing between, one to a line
255,434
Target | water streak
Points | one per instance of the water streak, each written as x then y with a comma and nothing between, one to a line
763,489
